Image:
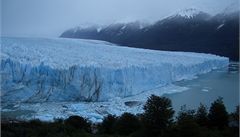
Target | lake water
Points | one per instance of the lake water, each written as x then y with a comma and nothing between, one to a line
208,87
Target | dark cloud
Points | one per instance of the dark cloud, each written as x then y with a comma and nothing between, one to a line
51,17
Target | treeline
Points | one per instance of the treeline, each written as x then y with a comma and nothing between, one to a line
158,120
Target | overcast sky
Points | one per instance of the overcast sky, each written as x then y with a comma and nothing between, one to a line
51,17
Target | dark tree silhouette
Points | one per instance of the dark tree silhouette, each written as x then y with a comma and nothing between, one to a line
218,116
156,121
127,124
78,122
158,114
108,124
234,118
202,115
236,115
187,124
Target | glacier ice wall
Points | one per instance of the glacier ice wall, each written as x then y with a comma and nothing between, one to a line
41,69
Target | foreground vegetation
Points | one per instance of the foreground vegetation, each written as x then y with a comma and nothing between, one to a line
157,121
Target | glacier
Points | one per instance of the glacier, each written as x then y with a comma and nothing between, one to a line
63,70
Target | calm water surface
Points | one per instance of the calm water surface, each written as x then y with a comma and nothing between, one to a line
208,87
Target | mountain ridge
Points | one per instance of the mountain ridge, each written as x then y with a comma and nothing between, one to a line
190,30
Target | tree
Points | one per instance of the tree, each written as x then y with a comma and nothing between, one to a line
202,115
108,125
234,118
127,124
158,114
218,116
187,124
78,122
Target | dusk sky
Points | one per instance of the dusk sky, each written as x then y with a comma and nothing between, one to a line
49,18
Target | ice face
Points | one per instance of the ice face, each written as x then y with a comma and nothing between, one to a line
44,69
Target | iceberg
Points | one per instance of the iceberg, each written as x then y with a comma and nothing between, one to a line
61,69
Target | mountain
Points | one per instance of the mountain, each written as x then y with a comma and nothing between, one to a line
188,30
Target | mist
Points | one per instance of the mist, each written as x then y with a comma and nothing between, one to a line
49,18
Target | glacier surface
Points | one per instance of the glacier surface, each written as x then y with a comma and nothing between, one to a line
60,70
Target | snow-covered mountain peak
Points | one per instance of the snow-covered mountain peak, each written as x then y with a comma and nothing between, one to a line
78,28
86,26
189,13
75,29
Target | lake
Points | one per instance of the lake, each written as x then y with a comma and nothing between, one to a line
208,87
